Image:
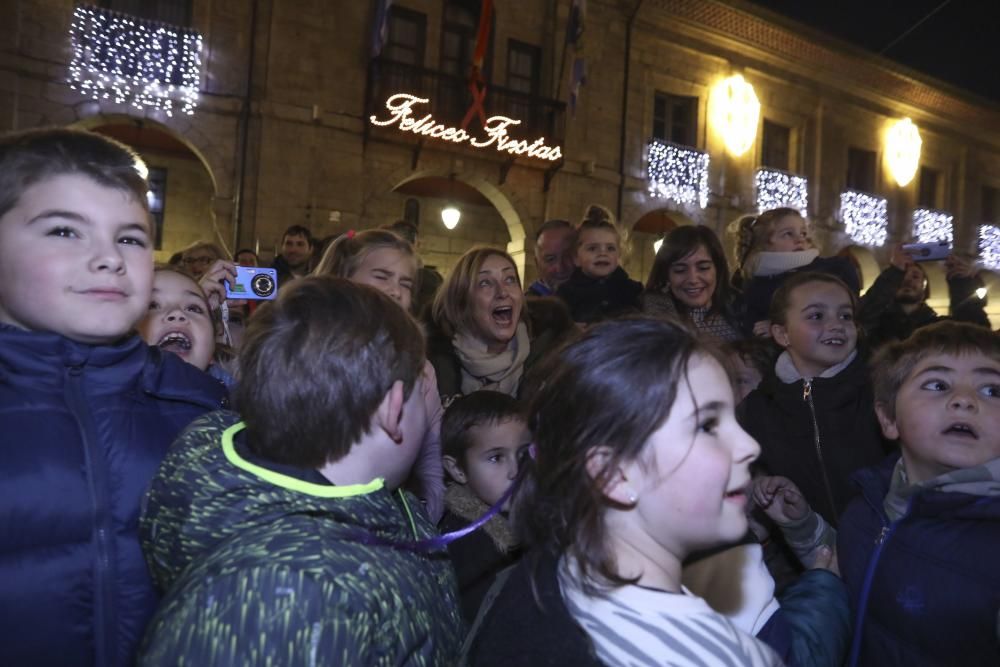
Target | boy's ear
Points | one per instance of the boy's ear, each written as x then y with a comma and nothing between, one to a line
780,334
454,470
390,412
889,428
616,487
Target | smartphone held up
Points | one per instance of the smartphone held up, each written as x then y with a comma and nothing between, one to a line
927,252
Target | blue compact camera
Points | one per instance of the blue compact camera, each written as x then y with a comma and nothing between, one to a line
253,283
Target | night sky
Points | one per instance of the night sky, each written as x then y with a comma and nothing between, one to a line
960,44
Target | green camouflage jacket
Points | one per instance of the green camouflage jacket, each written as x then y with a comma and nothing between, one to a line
264,568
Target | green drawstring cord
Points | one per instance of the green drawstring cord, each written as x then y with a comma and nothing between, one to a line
409,514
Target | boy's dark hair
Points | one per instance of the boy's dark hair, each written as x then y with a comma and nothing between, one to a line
475,409
315,365
298,230
778,313
677,245
587,400
894,363
27,158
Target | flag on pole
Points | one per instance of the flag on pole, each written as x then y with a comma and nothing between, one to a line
574,38
477,85
380,26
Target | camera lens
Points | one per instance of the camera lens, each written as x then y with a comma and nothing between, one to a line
262,285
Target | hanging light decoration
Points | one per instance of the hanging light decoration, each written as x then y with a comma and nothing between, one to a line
133,61
450,215
930,225
865,217
677,173
735,112
989,246
902,143
776,188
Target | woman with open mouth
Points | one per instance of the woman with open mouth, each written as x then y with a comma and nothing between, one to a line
478,337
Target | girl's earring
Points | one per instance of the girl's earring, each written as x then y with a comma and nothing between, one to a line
632,497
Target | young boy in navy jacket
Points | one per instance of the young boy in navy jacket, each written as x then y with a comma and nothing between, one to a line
917,549
87,410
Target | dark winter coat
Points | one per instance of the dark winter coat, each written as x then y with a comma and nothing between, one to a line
84,428
594,299
268,564
479,556
759,290
816,438
529,630
884,320
925,588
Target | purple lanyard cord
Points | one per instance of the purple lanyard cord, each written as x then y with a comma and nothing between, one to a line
438,541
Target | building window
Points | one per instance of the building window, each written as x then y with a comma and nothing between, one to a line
458,38
775,146
406,37
157,198
523,66
927,197
675,119
991,204
861,170
174,12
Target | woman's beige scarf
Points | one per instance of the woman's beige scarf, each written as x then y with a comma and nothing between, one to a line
498,372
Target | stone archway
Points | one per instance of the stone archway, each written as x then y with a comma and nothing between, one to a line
865,262
444,246
644,232
193,208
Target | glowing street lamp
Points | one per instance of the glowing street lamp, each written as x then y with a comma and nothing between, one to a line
736,111
902,154
450,216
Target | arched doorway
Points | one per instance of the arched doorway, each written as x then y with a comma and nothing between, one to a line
864,261
479,222
182,187
646,231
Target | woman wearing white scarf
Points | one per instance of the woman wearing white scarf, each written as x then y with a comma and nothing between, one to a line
482,341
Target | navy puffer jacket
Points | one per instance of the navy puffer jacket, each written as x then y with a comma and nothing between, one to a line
82,431
925,588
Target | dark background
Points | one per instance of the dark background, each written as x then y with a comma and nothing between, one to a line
958,44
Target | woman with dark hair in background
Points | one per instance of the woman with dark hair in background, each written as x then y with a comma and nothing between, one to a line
689,281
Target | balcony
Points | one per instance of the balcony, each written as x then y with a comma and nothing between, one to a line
775,189
865,217
448,99
677,173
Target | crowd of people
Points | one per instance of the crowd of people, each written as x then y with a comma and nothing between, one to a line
382,466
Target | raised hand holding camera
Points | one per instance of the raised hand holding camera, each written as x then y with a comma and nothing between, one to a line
253,283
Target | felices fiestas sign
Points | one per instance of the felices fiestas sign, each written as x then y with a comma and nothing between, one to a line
401,114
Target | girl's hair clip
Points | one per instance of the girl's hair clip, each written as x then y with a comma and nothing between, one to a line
350,233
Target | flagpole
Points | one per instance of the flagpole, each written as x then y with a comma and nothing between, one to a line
562,59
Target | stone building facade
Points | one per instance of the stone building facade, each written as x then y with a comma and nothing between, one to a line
282,132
